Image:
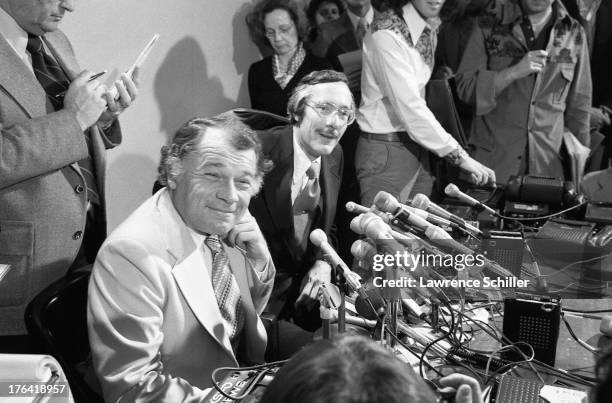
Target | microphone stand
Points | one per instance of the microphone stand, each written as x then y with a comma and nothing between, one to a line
343,287
393,308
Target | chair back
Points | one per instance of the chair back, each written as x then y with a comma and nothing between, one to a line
57,318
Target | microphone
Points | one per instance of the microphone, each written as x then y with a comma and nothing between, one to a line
420,201
350,319
412,306
319,239
431,218
387,203
390,242
377,229
355,208
361,249
367,310
453,191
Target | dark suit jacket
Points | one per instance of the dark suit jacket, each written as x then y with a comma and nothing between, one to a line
42,198
264,91
272,207
329,32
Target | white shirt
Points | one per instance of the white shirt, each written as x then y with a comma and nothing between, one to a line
393,83
301,163
369,16
16,37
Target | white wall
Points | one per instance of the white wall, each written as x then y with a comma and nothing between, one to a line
198,68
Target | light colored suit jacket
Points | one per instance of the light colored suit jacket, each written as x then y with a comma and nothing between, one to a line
42,197
155,329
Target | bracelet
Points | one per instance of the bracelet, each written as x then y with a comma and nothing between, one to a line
456,156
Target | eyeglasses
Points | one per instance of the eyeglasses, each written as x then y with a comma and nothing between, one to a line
283,30
325,109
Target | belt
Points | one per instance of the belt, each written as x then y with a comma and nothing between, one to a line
393,137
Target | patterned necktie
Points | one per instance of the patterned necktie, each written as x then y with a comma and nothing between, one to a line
55,82
308,198
226,288
425,46
361,30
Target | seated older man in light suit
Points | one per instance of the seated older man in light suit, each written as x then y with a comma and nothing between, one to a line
177,289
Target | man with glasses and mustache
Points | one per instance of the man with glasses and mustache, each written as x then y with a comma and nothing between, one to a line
301,192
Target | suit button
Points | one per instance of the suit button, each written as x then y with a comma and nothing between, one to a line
79,189
77,235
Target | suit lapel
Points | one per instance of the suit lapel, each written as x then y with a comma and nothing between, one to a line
59,47
350,29
277,185
330,183
20,83
190,273
62,54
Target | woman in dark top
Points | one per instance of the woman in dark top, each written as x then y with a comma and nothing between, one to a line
272,79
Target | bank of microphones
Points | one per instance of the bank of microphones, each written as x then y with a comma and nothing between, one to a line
398,244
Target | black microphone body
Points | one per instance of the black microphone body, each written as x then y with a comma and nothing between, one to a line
420,201
387,203
424,203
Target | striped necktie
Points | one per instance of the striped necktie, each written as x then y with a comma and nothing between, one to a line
361,30
226,288
55,82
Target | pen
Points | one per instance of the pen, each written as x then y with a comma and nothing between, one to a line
100,74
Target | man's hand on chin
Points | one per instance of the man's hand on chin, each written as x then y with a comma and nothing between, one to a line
246,235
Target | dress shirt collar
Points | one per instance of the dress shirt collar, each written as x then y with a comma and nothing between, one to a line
301,162
198,238
416,23
369,16
16,36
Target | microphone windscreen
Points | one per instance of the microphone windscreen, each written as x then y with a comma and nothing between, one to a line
355,225
362,249
452,190
318,237
421,201
362,306
353,207
386,202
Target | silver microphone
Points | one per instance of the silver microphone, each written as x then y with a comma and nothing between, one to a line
453,191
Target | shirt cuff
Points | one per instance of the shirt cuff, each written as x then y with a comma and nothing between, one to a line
263,274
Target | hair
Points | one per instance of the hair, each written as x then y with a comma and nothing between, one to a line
255,19
352,369
188,140
314,5
296,103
